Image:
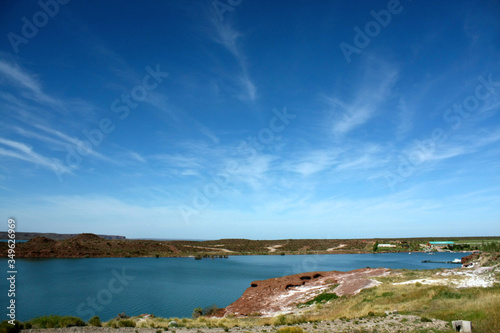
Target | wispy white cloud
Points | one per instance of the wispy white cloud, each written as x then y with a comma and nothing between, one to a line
162,103
16,75
179,165
86,213
21,151
73,141
136,156
21,78
43,138
124,156
227,36
256,172
365,157
313,162
207,132
352,118
372,91
405,119
177,115
249,86
430,151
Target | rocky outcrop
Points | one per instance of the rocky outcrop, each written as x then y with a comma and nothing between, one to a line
468,259
281,295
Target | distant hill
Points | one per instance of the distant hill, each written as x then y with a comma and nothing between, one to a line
86,246
54,236
93,246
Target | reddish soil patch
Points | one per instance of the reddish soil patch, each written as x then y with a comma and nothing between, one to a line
466,260
280,295
174,249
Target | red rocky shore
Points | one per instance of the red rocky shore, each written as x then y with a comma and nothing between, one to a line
281,295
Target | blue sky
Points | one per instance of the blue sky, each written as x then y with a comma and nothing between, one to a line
251,119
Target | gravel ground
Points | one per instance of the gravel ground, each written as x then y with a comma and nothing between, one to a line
393,323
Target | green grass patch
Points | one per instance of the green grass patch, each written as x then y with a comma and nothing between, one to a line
445,294
321,298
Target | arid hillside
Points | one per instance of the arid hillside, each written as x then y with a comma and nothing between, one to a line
90,245
29,235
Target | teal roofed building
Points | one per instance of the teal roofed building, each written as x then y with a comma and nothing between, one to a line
441,244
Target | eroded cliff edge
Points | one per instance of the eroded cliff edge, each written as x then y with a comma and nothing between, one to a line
281,295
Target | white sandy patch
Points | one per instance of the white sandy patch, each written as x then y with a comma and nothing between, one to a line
478,277
302,290
293,296
337,247
273,248
209,248
426,281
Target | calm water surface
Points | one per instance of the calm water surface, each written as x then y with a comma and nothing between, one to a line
169,287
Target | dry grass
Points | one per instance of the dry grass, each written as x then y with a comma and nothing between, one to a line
205,322
479,305
291,330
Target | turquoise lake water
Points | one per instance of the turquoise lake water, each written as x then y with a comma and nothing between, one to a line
169,287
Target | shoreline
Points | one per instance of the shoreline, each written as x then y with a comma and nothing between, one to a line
93,246
296,303
217,256
330,316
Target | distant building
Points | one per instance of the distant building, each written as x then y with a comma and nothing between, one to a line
386,245
405,244
441,244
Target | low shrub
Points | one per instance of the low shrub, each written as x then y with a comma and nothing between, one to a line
6,327
197,312
95,321
126,323
122,315
210,310
69,321
207,311
54,321
280,320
